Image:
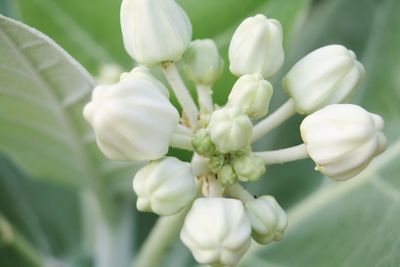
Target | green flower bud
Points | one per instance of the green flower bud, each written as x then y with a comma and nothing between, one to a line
202,62
203,144
226,175
249,167
216,163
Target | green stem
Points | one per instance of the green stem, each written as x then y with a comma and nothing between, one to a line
284,155
204,94
182,142
160,240
181,92
237,191
10,238
274,120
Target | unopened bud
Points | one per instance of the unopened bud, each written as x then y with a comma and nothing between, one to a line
203,144
256,47
216,162
217,231
202,62
268,220
230,129
226,175
326,76
252,94
249,167
154,31
132,120
342,139
164,186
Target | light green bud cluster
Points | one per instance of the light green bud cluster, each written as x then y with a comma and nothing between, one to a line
216,162
226,175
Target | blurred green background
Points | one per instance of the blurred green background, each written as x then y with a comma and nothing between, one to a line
63,203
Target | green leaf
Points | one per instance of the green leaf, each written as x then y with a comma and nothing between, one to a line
53,230
42,93
88,30
352,223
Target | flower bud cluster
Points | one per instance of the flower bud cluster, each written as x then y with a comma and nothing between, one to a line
133,119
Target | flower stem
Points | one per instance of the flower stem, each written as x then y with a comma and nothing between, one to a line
284,155
181,129
182,142
181,92
10,238
160,240
237,191
275,119
200,166
204,94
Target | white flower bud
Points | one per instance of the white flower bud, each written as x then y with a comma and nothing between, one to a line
202,62
326,76
164,186
342,139
143,73
268,220
251,93
256,47
217,231
132,120
154,31
230,129
249,167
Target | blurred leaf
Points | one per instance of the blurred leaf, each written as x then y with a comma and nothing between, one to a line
51,227
43,91
353,223
88,30
7,7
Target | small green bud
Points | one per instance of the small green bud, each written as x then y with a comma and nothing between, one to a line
226,175
249,167
203,144
216,163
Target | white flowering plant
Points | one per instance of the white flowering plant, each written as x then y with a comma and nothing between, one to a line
215,198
